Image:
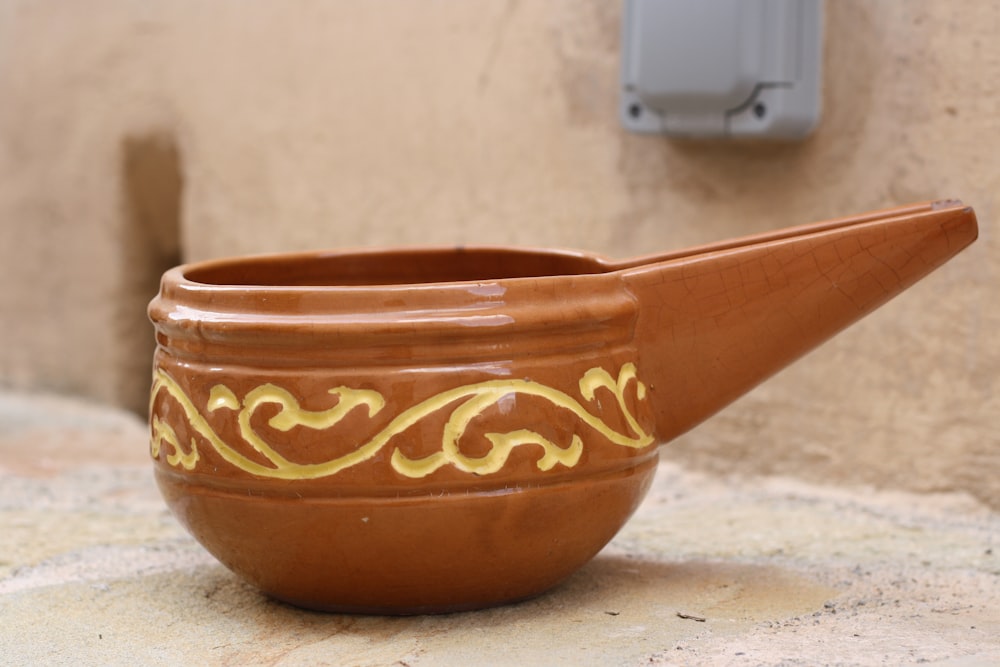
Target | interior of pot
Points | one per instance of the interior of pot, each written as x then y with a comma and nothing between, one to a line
392,267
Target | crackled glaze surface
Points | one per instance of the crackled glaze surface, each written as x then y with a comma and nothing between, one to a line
436,429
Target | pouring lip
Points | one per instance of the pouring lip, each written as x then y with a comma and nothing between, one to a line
879,216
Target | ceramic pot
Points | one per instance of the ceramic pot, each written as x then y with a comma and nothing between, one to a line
437,429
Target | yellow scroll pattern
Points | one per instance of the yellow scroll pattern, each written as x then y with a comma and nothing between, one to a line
471,401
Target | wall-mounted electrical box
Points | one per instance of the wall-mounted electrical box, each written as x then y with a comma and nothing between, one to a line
722,68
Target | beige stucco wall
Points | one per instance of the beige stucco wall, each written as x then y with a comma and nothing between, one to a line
136,134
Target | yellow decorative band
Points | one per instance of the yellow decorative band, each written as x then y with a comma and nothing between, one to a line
475,399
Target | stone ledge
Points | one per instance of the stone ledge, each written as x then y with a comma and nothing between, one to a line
761,571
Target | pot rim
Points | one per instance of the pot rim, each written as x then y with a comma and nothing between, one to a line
503,301
477,264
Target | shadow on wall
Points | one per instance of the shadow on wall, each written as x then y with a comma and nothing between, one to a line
153,186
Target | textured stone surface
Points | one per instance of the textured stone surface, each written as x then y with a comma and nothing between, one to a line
136,134
94,571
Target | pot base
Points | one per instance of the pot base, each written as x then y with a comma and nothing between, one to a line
409,555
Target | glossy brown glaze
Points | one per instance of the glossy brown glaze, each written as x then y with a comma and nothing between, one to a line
428,430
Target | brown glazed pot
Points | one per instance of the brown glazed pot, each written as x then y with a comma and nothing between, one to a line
427,430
